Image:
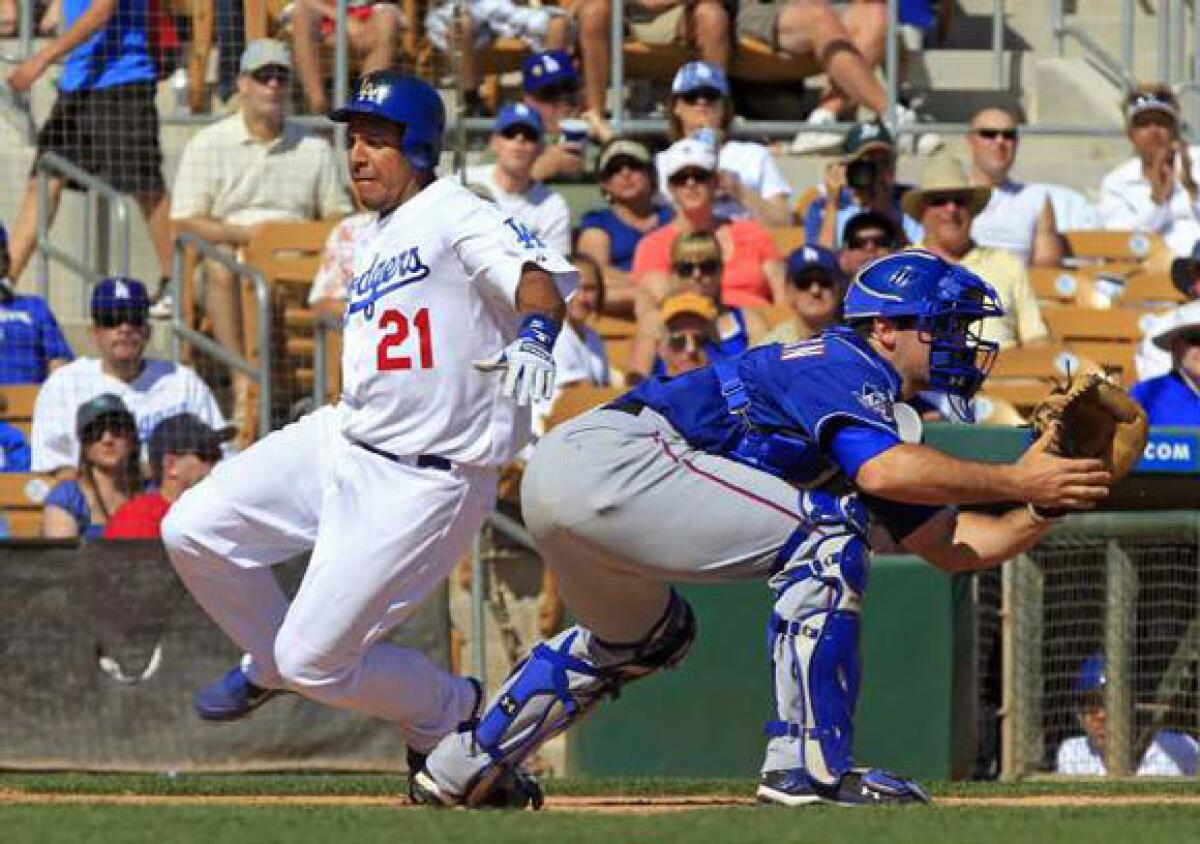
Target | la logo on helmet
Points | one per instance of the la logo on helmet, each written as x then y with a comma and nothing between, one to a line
373,92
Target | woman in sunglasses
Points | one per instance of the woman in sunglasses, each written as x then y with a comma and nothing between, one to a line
109,471
609,236
1156,190
749,182
752,270
696,267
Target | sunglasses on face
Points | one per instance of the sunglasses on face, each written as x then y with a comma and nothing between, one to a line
618,164
556,93
873,241
937,200
681,341
525,133
118,426
115,319
683,177
813,280
686,269
271,73
993,134
701,95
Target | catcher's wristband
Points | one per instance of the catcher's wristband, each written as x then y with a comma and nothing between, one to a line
1045,514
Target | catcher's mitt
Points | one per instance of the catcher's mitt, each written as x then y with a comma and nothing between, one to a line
1096,419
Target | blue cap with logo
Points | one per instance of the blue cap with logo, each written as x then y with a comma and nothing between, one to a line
552,67
813,257
518,114
696,76
120,293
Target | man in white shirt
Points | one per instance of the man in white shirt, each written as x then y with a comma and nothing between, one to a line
252,168
1170,753
517,142
1019,217
1156,190
152,389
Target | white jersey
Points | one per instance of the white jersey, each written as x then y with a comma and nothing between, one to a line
162,389
1171,754
434,290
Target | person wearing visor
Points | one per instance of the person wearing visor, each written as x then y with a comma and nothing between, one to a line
150,389
1158,190
815,290
517,135
783,455
107,476
610,235
689,330
749,182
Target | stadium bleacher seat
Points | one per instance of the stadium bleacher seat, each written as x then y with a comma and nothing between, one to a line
21,497
1109,337
1022,376
16,401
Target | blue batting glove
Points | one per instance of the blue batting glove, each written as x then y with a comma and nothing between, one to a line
528,361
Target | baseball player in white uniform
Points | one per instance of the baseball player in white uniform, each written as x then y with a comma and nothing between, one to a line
387,487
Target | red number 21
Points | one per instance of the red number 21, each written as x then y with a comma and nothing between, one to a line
397,326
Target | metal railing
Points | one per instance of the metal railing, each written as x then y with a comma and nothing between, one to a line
51,164
181,332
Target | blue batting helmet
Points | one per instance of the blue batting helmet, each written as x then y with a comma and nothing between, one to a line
407,101
944,301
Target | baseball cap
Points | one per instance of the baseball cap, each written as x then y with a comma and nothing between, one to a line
1140,102
685,153
812,257
120,293
687,303
696,76
551,67
265,51
623,147
1185,318
186,433
105,404
518,114
865,137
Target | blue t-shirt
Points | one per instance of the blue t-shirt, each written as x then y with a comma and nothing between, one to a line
847,209
15,455
29,339
1168,399
119,54
68,495
622,237
831,394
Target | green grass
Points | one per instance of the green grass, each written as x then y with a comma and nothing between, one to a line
298,824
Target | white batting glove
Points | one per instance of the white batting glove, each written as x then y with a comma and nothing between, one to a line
528,361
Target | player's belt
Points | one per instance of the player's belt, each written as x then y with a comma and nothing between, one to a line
423,461
626,404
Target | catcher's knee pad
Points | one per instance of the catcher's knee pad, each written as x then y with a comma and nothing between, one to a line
813,645
563,678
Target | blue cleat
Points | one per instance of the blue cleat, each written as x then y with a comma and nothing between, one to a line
230,698
857,787
786,788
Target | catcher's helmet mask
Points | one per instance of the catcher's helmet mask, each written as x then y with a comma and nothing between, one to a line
406,101
945,303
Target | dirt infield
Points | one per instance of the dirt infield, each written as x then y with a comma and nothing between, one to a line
617,804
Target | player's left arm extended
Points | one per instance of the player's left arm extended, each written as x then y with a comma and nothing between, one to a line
957,542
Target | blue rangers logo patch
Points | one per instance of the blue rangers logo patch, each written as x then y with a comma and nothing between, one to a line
876,400
384,277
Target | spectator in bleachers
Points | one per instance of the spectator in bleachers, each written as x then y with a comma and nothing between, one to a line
863,180
701,24
31,343
252,167
868,235
108,472
945,203
610,235
752,271
330,286
749,182
183,450
15,455
373,32
689,330
1151,360
1174,398
696,268
815,290
516,140
104,119
1019,216
544,27
579,354
1156,190
151,389
551,88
